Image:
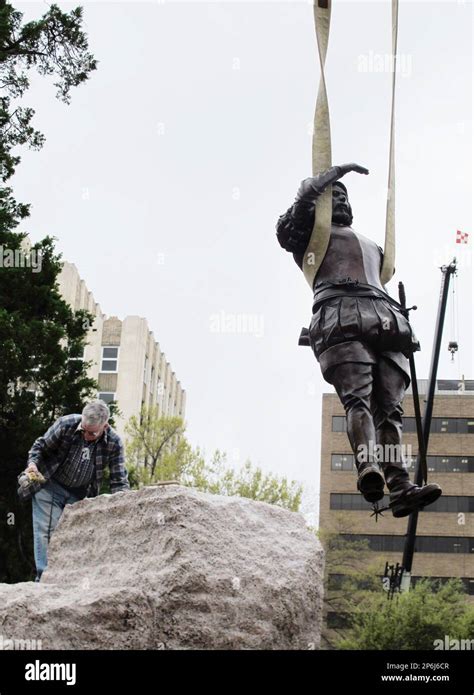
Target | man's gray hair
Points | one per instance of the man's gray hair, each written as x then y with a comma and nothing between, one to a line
95,413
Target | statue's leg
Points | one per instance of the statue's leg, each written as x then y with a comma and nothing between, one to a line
389,390
353,382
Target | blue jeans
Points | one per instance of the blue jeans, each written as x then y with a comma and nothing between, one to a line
48,505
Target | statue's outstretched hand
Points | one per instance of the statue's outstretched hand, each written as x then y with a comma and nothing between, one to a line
315,185
346,168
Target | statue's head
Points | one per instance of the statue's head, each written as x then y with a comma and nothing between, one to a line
341,209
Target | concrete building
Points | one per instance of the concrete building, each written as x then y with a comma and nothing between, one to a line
73,289
127,362
445,534
134,372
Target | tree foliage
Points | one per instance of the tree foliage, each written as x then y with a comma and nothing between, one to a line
249,481
151,438
412,620
41,338
41,378
54,45
368,619
158,450
350,576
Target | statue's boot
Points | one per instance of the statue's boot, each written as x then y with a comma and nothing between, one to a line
405,496
370,481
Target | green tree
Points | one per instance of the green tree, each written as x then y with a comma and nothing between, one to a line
152,439
158,450
41,339
412,620
249,481
41,378
350,577
367,619
55,45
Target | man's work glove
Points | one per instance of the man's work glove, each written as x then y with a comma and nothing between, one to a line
29,482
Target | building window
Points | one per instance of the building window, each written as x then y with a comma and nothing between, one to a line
339,423
145,370
450,464
352,502
107,397
439,425
409,424
109,359
436,464
424,544
342,462
450,504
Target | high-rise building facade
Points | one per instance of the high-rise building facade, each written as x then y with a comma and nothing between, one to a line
127,362
445,533
134,372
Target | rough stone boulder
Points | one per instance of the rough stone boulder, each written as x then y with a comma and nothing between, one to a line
168,567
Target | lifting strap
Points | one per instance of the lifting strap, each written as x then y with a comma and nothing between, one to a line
388,266
322,157
319,240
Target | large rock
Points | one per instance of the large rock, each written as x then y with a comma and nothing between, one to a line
168,567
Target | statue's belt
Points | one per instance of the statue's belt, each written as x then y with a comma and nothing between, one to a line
343,288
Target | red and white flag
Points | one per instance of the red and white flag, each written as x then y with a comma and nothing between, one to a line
461,237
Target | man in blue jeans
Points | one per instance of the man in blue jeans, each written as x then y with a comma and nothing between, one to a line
70,458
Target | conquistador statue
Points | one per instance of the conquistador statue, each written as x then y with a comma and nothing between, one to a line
361,340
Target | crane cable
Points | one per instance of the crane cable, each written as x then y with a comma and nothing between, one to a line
322,156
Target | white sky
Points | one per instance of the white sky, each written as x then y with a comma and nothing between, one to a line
164,178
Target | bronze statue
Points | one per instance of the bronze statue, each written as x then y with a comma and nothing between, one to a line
361,340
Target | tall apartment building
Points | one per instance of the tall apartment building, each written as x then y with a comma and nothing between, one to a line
134,372
445,534
127,362
74,291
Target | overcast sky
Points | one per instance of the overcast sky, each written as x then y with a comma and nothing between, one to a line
164,178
